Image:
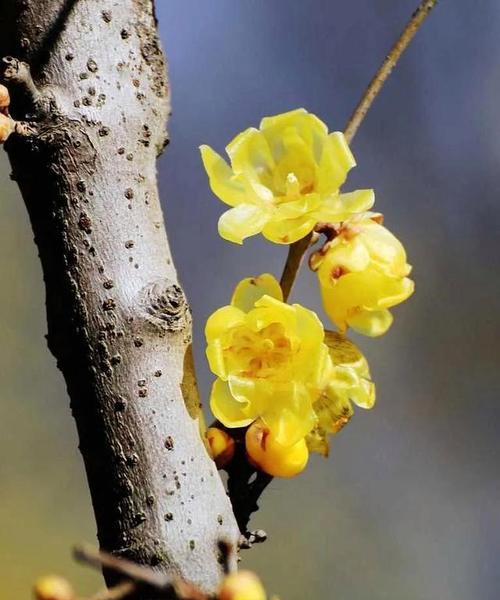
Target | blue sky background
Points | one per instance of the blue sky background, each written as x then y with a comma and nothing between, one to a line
407,504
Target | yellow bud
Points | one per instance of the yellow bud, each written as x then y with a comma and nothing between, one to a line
6,127
53,587
270,456
4,98
221,446
243,585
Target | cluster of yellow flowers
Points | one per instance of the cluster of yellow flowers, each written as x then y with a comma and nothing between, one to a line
280,375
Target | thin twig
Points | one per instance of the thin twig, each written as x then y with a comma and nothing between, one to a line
294,259
118,592
163,583
387,66
298,249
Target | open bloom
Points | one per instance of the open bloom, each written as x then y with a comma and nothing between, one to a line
362,273
351,383
270,360
284,178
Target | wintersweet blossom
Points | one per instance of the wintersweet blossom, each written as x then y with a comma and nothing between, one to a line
270,360
362,273
283,179
352,383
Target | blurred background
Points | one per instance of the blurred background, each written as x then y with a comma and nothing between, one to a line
408,504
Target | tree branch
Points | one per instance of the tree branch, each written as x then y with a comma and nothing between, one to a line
293,263
118,322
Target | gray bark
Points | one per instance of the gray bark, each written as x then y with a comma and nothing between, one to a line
118,322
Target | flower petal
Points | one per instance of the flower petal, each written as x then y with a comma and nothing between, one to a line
291,417
317,441
341,207
343,258
333,410
371,323
398,291
363,395
221,177
250,290
222,320
294,209
309,327
241,222
227,409
215,357
346,353
385,249
289,230
254,393
275,124
250,153
335,163
269,310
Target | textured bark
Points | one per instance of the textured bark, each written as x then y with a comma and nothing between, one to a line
118,322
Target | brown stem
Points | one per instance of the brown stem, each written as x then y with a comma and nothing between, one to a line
294,260
386,68
138,576
122,590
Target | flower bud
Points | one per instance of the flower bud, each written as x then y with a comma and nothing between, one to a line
271,457
243,585
53,587
221,446
4,98
6,127
362,273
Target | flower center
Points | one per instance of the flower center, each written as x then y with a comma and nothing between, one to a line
292,179
261,354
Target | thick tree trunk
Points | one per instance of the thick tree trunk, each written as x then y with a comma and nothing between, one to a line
119,324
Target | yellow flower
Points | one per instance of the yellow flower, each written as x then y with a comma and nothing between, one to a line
284,178
270,360
350,383
362,273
